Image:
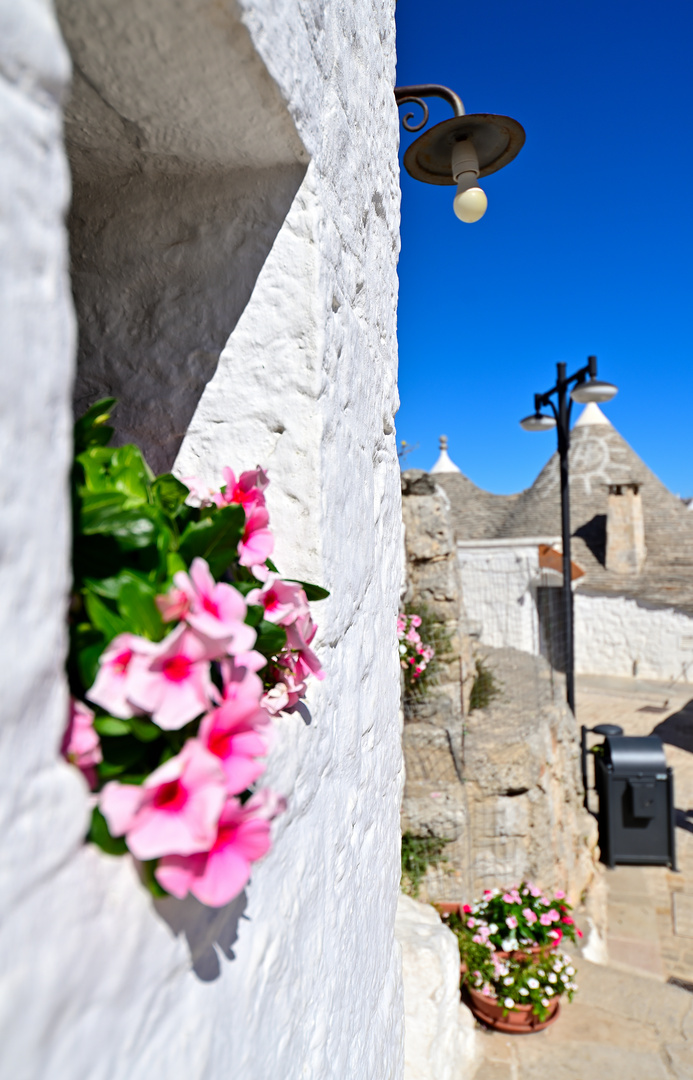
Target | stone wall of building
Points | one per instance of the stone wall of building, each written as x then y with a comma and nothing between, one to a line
243,307
501,782
617,635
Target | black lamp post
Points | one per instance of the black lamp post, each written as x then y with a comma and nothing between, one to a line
584,391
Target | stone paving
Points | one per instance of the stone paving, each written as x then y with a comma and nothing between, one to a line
628,1019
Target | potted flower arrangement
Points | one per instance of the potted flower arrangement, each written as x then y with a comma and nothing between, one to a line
512,971
185,645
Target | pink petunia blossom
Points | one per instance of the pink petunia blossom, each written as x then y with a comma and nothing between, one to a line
80,743
257,543
559,894
415,620
174,683
568,921
216,611
175,811
529,915
511,922
471,923
545,919
283,601
467,909
218,876
119,662
554,915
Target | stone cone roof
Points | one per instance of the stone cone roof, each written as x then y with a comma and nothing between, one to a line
599,456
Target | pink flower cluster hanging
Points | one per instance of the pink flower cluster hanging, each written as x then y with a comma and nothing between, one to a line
415,655
188,708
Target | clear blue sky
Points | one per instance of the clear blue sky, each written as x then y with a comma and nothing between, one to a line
587,243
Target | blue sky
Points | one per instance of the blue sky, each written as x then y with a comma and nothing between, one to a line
587,243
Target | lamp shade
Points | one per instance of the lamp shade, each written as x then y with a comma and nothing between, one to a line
593,391
538,422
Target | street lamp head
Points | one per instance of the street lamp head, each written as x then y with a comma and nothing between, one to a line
538,422
593,390
460,150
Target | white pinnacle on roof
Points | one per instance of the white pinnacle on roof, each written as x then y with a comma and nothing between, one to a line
592,414
444,464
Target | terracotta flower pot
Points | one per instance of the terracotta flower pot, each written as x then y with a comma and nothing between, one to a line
525,951
519,1021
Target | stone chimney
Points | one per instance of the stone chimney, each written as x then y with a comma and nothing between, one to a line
625,530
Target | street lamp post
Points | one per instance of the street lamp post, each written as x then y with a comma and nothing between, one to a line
584,391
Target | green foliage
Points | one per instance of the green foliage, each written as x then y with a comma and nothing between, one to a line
484,688
418,853
434,633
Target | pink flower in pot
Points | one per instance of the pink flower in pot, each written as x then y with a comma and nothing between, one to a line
176,809
220,874
80,743
174,683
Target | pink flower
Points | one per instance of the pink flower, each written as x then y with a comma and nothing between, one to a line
257,542
554,915
545,919
529,916
415,620
471,923
80,743
173,606
283,601
511,921
298,637
174,684
247,491
216,611
118,663
176,810
200,493
467,909
276,699
509,898
238,731
560,895
568,921
556,934
219,875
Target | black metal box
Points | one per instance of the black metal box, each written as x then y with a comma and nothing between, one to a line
636,801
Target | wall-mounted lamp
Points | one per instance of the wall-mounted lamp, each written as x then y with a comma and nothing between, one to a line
460,150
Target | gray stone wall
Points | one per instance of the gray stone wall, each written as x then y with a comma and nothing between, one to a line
501,782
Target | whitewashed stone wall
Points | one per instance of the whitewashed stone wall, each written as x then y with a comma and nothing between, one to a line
498,586
618,636
301,976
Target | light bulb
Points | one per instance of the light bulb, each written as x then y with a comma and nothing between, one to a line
470,203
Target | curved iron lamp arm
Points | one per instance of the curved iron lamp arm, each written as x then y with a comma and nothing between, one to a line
415,94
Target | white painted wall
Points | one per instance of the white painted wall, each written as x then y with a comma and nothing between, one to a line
301,976
497,590
618,636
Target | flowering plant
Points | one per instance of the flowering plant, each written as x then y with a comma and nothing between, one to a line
415,656
528,980
185,642
522,915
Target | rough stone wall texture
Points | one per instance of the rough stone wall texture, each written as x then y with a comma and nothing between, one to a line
301,976
440,1041
502,782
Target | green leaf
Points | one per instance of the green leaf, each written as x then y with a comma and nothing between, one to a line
130,472
139,611
88,658
169,493
91,429
254,614
144,730
214,538
99,834
150,881
110,587
106,514
313,592
174,563
103,618
122,751
271,639
109,725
